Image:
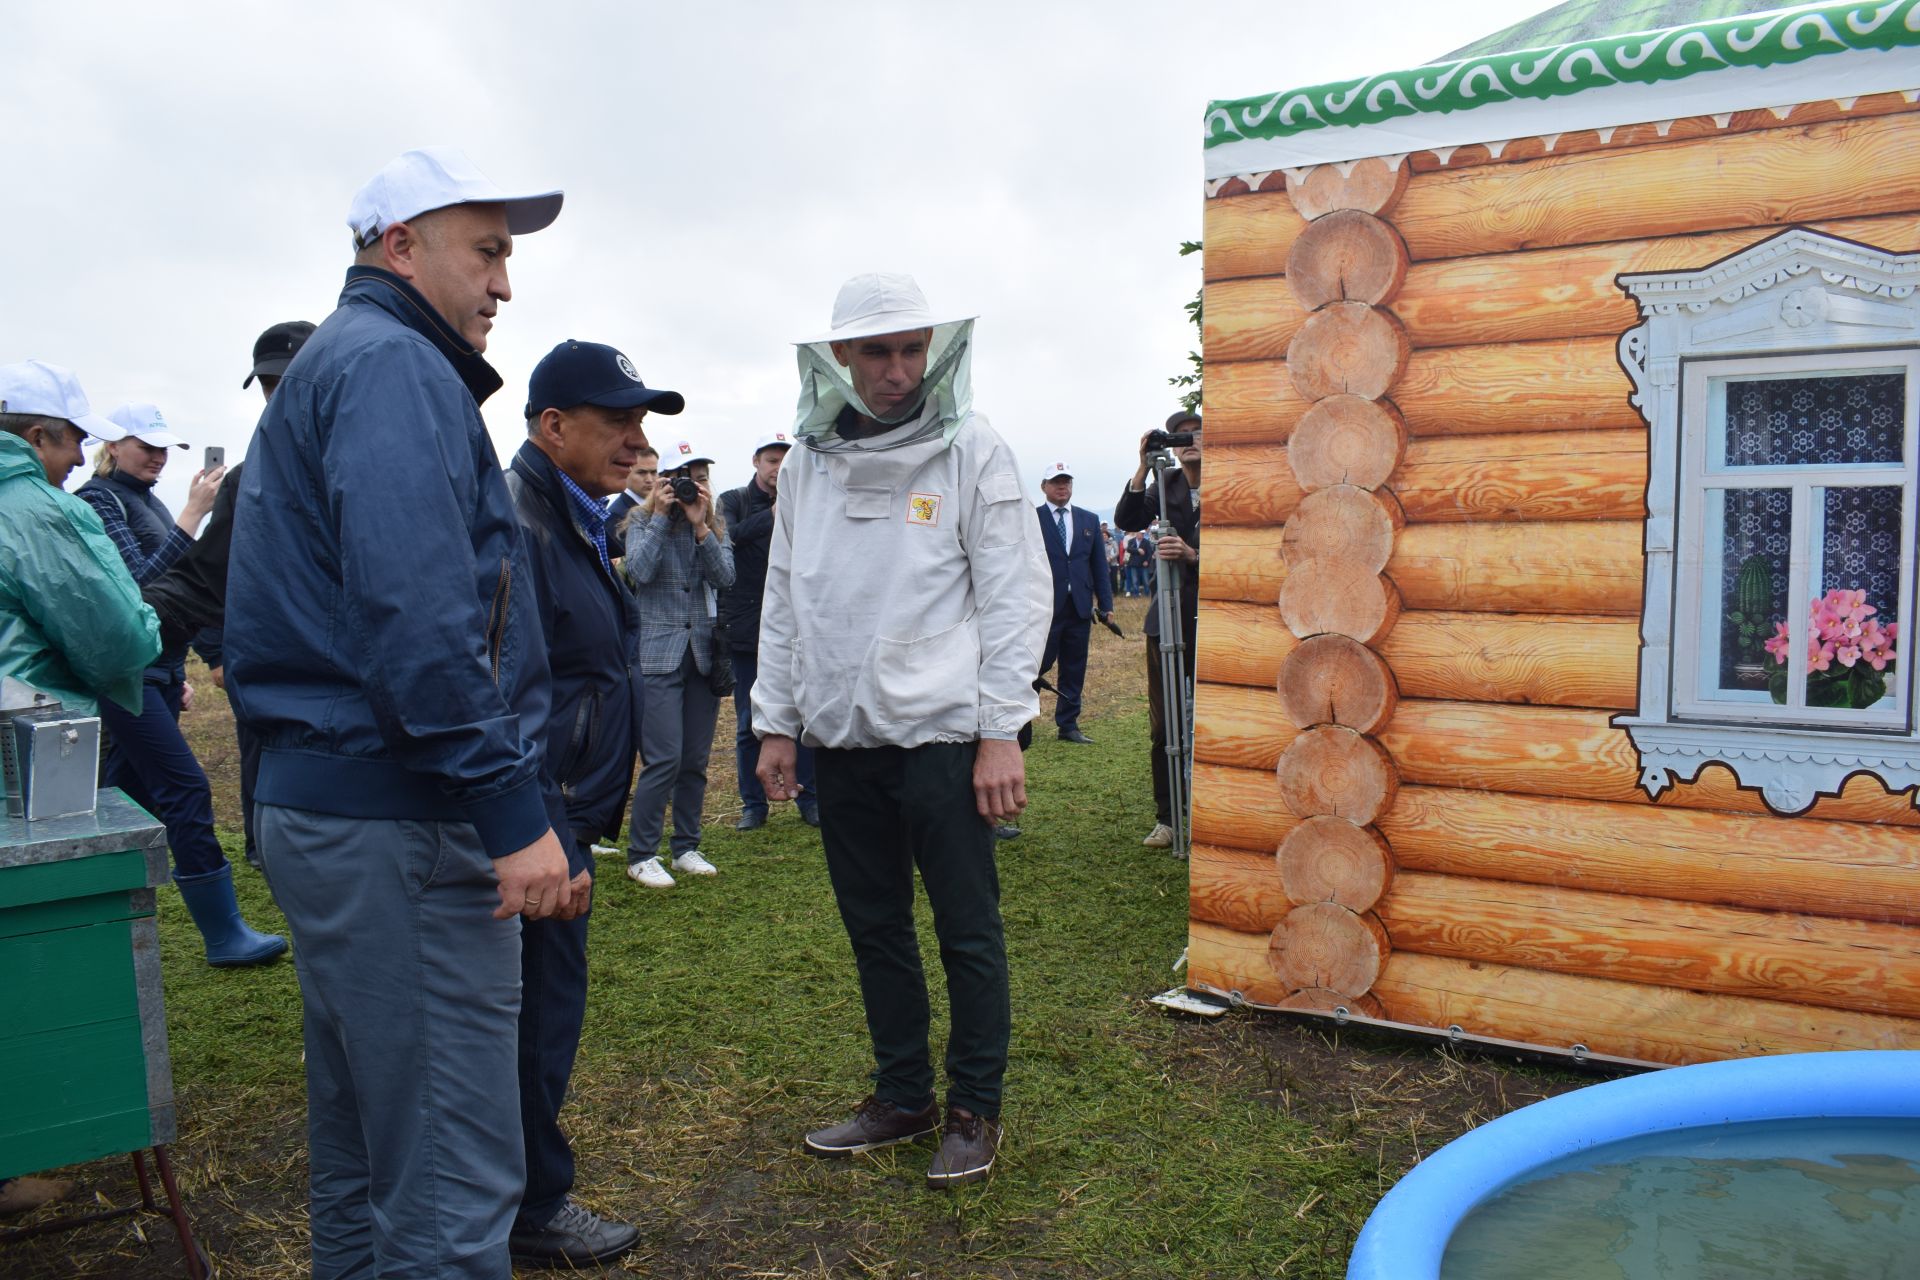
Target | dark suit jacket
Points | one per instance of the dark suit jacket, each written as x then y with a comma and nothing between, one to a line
1080,577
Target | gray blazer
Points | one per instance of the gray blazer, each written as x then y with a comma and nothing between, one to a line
670,578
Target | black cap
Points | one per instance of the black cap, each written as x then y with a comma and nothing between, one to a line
273,350
1180,418
578,372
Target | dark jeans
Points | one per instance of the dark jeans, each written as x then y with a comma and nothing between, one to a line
411,993
553,1005
149,760
746,747
1157,723
883,811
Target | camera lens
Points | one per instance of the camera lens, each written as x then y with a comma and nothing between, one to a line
685,489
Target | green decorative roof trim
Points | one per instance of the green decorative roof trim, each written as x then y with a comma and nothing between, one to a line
1757,40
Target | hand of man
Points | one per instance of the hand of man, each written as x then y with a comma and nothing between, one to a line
1171,548
582,887
533,880
999,780
219,675
778,768
186,696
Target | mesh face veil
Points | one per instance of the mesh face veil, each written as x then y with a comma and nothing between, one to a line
872,306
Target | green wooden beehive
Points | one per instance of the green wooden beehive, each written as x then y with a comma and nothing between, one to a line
83,1033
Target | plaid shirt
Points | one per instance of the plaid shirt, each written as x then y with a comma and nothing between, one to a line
592,514
143,567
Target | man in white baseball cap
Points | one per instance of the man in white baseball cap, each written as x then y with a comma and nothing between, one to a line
71,620
382,642
906,607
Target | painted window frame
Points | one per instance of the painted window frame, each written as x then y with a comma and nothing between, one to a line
1798,300
1701,476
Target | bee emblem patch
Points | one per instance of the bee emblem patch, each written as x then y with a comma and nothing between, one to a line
923,508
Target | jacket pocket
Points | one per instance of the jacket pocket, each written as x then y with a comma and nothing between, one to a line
916,680
578,743
497,616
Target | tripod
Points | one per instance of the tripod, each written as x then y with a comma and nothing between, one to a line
1175,692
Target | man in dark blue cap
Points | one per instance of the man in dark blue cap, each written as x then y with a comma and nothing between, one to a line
585,413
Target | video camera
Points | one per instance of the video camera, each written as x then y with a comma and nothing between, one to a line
1170,439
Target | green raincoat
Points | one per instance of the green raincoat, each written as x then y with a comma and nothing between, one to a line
71,619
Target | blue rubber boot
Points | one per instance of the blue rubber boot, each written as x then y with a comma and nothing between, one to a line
216,913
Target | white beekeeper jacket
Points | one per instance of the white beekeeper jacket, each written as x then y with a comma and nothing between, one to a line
908,593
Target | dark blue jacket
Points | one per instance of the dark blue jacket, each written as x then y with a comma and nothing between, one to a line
1080,578
592,628
380,636
152,525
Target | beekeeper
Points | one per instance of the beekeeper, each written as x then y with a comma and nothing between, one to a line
906,608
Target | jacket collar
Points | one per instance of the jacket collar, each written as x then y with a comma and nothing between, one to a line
408,305
539,471
127,482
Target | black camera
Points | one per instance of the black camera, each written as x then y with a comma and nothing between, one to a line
685,489
1171,439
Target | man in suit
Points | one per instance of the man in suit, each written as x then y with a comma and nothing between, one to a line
1077,550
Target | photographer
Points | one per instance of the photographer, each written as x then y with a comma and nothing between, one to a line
1139,506
677,559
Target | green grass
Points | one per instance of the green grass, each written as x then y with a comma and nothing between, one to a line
724,1021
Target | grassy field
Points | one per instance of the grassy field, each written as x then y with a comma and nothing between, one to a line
724,1021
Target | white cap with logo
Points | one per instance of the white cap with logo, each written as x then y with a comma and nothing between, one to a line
144,423
414,182
683,453
49,391
1055,471
772,440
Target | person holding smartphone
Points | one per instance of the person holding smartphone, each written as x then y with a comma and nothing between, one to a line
147,756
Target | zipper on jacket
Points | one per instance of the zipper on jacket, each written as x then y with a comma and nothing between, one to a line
497,616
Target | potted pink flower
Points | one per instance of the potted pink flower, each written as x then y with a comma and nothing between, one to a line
1849,652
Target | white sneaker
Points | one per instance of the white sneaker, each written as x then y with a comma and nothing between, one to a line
691,863
1161,837
650,872
604,850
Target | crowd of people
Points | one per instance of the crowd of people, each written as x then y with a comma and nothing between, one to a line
435,742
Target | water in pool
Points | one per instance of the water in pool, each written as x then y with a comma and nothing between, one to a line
1772,1200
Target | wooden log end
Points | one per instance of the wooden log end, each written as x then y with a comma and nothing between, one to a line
1347,440
1338,597
1334,679
1348,348
1347,256
1371,186
1327,947
1331,770
1321,1000
1329,859
1343,523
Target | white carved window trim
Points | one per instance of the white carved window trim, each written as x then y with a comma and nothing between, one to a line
1799,299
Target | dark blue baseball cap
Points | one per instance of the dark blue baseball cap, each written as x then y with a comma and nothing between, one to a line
578,372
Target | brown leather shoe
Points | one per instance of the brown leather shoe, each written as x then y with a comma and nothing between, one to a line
875,1123
968,1144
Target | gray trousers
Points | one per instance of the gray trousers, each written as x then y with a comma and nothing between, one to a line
411,992
676,737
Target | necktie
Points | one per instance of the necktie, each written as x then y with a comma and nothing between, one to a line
1060,522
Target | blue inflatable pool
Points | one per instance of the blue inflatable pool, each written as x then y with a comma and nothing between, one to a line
1689,1137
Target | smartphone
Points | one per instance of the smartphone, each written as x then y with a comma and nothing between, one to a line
216,457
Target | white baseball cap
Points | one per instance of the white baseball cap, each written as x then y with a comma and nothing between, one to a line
683,453
1055,471
49,391
880,302
144,423
772,440
414,182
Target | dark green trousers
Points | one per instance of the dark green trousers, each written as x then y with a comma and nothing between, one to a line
884,811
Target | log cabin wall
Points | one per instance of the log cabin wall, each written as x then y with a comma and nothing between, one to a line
1408,798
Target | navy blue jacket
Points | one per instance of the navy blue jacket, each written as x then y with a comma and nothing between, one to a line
381,637
1079,578
591,624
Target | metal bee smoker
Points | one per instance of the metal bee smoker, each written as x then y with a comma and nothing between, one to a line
50,756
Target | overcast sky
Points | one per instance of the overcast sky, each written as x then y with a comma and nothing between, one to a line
179,179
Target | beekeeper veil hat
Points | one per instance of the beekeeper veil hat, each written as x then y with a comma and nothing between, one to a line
868,306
